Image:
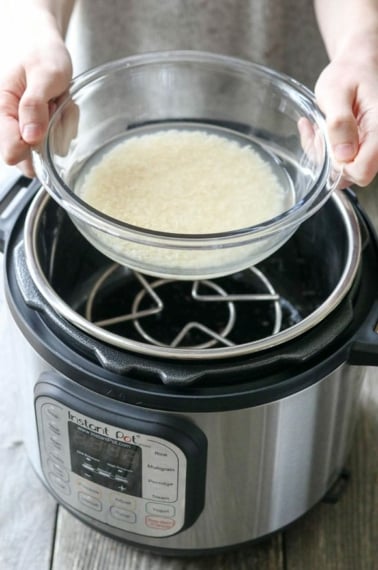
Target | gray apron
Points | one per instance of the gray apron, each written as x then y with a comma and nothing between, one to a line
281,34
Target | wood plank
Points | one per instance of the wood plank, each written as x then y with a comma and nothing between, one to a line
27,512
27,516
78,547
344,536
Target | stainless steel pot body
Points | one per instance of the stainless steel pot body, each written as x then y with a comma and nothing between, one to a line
250,455
266,465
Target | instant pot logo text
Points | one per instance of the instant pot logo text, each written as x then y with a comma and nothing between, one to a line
102,430
89,424
126,437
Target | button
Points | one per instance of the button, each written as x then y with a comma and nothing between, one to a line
161,483
160,509
54,442
161,490
125,502
58,470
120,473
59,483
161,453
90,460
55,455
89,501
87,489
54,427
121,479
162,457
88,467
160,523
162,469
103,473
158,495
123,515
86,475
52,411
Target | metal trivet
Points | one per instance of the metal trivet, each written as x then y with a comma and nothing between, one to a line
217,294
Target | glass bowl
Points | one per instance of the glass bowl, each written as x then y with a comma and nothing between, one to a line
188,91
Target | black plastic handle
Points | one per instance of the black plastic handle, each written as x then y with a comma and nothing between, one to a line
15,192
364,349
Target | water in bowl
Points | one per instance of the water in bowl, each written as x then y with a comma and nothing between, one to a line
187,178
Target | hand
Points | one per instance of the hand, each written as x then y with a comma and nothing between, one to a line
38,74
347,93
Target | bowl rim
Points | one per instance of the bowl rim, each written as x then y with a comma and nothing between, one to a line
82,211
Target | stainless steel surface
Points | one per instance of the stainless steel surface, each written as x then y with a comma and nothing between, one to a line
351,265
266,466
218,295
34,530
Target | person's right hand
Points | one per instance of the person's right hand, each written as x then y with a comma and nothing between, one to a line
38,73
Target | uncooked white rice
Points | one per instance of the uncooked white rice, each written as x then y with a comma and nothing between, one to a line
184,182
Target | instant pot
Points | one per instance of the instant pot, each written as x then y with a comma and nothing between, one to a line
189,417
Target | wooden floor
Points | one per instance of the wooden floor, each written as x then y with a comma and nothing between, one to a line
36,534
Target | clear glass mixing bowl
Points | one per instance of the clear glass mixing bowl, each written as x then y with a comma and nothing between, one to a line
253,105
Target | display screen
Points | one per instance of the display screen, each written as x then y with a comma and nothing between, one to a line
111,463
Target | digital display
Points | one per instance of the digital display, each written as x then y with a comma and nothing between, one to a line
111,463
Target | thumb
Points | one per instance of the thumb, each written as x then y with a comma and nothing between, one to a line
342,128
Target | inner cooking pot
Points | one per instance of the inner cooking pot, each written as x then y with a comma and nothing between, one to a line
296,289
252,106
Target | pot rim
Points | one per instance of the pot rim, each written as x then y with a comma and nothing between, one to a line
346,279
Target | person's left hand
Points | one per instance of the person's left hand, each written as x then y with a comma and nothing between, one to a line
347,93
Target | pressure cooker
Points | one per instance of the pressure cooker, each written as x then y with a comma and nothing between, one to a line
189,417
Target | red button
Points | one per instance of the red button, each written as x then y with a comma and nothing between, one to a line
160,523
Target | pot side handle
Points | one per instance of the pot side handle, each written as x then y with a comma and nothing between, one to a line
16,192
364,348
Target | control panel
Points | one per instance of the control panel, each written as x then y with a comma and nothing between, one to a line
134,473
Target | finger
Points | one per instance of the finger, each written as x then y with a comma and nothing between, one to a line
307,135
311,140
26,167
13,148
33,115
35,104
342,128
66,128
363,169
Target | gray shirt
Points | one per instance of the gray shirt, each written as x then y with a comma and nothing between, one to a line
281,34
